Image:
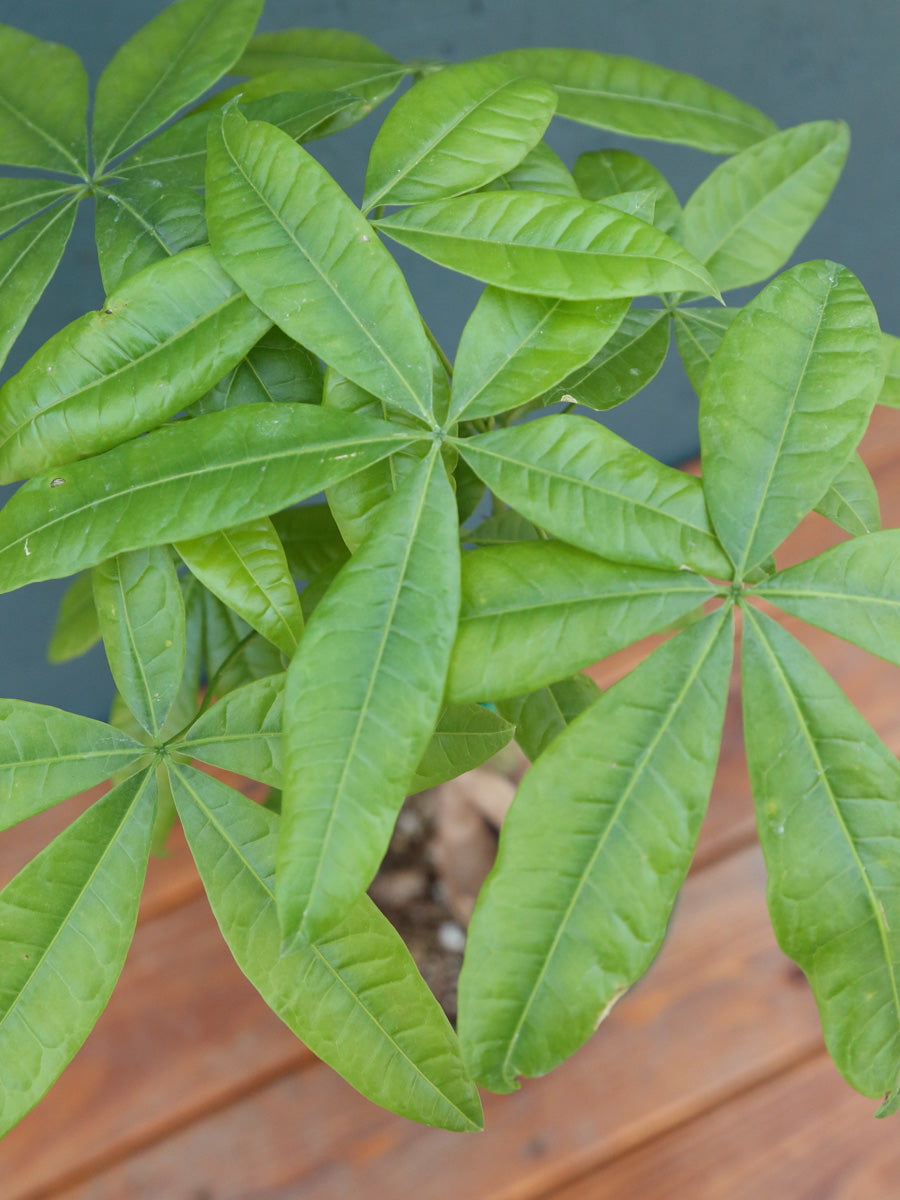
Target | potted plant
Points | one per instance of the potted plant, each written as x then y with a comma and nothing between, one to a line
259,346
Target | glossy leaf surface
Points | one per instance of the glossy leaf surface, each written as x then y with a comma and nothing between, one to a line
589,487
160,342
43,104
276,370
826,790
353,996
305,255
363,695
66,921
592,854
535,612
623,366
786,399
454,131
542,715
603,173
254,460
541,170
311,539
548,246
21,199
140,223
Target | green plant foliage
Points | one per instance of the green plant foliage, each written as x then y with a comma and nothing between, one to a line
464,555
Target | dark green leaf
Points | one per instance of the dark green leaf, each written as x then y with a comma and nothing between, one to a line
627,363
241,732
603,173
852,501
466,736
43,104
890,391
234,653
277,370
21,199
542,715
311,539
502,529
698,335
141,222
76,628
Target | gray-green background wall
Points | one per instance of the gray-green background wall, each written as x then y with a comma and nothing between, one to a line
798,61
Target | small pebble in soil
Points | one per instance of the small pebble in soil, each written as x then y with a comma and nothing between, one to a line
451,937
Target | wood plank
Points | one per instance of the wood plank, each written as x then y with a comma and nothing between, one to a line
805,1135
689,1035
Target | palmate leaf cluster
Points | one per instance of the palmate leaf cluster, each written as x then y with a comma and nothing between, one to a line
259,346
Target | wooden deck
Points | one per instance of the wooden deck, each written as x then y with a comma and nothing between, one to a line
708,1081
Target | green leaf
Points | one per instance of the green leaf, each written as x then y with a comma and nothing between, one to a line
641,99
852,590
354,996
234,653
246,567
255,460
29,257
746,219
276,370
466,736
624,365
184,708
43,104
548,246
825,790
21,199
363,695
305,255
311,539
241,732
592,854
600,174
454,131
591,488
542,715
47,755
786,400
698,335
141,615
852,501
166,814
514,347
502,529
541,170
76,629
535,612
640,204
310,59
890,391
168,63
164,337
140,223
66,921
177,156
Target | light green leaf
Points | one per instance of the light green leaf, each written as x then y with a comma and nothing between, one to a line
502,529
786,399
317,587
310,59
168,63
141,615
541,170
363,696
43,104
234,653
311,539
354,996
466,736
890,391
76,629
641,99
21,199
852,501
600,174
241,732
852,590
140,223
163,338
591,488
698,335
29,257
177,156
514,347
535,612
745,219
548,246
276,370
47,755
305,255
255,460
246,567
592,854
625,365
826,793
641,204
66,922
454,131
542,715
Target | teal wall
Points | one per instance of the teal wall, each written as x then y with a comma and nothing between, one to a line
801,61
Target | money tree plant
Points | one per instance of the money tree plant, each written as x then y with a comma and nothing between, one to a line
259,348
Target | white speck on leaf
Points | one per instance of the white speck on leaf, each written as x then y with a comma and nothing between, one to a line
57,482
27,551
